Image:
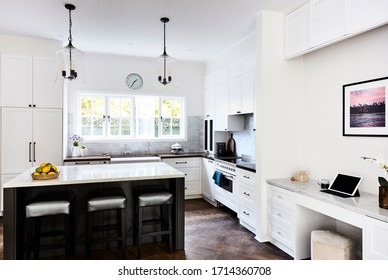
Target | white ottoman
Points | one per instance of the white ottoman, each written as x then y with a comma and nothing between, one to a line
329,245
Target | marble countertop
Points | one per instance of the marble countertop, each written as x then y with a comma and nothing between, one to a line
81,174
366,204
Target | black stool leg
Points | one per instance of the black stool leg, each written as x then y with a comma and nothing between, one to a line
36,241
68,242
140,232
29,232
88,235
122,228
169,227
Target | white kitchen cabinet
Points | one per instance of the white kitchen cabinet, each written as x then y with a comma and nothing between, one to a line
247,199
375,246
210,102
242,94
191,167
297,30
223,121
29,82
30,136
327,20
364,15
208,185
281,214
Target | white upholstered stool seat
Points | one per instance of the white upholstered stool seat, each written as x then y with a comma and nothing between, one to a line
330,245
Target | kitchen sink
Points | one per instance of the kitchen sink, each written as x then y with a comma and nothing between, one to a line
134,158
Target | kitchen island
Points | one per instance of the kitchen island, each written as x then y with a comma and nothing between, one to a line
81,180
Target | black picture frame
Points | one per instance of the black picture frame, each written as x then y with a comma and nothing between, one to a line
365,108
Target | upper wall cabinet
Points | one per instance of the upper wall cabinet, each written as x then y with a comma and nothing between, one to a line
297,30
364,15
327,20
319,23
29,82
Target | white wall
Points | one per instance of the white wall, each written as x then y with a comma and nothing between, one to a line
107,74
28,46
325,150
279,109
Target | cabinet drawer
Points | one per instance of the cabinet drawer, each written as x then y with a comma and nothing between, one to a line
182,162
281,215
246,194
191,173
282,196
247,215
192,188
281,234
246,177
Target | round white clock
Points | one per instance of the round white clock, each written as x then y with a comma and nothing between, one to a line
134,81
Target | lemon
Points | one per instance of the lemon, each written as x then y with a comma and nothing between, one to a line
46,169
54,168
51,172
43,164
38,170
43,173
36,173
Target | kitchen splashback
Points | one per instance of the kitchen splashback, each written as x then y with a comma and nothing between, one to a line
193,143
246,139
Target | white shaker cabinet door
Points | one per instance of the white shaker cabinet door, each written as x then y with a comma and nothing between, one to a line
47,92
47,136
327,20
16,140
16,80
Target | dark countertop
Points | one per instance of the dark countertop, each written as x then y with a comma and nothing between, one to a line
247,165
88,158
178,155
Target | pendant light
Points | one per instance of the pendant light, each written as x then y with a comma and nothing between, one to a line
69,58
164,60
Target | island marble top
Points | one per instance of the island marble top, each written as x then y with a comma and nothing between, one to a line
83,174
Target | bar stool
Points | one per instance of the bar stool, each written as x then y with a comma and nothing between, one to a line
106,200
43,206
152,196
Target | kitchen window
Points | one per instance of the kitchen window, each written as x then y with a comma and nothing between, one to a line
103,116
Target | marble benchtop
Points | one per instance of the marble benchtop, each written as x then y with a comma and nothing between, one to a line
81,174
366,204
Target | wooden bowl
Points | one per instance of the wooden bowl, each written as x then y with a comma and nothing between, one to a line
45,177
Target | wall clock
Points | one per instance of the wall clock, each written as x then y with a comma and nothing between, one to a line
134,81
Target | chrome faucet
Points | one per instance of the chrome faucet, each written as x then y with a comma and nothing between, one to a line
125,149
148,147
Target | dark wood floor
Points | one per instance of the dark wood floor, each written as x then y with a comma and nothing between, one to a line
211,234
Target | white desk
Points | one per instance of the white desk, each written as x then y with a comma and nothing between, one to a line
309,209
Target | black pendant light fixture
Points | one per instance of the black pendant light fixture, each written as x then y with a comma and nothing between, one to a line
69,58
165,59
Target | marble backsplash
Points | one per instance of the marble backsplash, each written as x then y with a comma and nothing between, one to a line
192,144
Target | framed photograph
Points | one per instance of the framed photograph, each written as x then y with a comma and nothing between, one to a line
364,108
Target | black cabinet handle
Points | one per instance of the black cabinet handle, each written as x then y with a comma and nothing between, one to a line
180,162
29,151
34,150
247,194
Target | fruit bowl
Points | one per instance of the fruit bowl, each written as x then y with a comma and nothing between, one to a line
45,176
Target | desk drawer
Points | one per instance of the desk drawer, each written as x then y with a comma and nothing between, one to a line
281,215
282,196
282,235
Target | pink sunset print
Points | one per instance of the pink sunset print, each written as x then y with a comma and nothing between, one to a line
367,107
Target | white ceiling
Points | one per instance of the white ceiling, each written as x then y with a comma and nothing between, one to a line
198,29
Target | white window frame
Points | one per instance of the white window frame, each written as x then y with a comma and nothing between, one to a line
134,129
